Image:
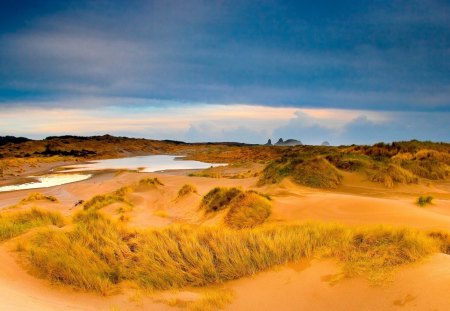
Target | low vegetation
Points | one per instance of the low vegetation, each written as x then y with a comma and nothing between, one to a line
16,223
99,253
149,182
248,210
186,189
36,196
393,174
219,198
314,172
424,200
121,195
102,200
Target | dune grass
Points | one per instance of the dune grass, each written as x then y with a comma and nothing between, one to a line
393,174
99,253
185,190
219,198
102,200
13,224
36,196
309,171
150,182
120,195
245,209
248,210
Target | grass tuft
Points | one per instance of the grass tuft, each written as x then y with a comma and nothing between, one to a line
219,198
36,196
13,224
424,200
248,210
186,189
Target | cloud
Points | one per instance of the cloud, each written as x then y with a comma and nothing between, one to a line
215,52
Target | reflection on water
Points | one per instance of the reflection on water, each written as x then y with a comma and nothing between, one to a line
153,163
46,181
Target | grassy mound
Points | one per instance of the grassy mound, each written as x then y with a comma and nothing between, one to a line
393,174
36,196
102,200
13,224
219,198
120,195
98,253
314,172
185,190
248,210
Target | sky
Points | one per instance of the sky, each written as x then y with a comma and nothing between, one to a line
339,71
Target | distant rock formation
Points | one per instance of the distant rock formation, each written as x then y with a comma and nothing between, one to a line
269,142
288,142
325,143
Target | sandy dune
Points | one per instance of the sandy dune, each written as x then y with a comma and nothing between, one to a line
424,286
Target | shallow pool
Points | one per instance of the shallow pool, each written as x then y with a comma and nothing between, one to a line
152,163
46,181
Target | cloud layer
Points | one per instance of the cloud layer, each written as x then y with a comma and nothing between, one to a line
348,71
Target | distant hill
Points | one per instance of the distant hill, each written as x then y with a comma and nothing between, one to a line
12,139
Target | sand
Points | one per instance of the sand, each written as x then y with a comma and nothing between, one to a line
301,286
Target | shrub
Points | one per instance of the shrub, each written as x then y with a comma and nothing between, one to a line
424,200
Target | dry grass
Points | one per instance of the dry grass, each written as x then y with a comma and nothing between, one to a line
219,198
393,174
185,190
121,194
248,210
314,172
13,224
98,253
36,196
102,200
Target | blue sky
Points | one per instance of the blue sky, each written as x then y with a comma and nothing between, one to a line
342,71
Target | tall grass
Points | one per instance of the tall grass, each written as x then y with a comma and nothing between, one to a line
13,224
98,253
